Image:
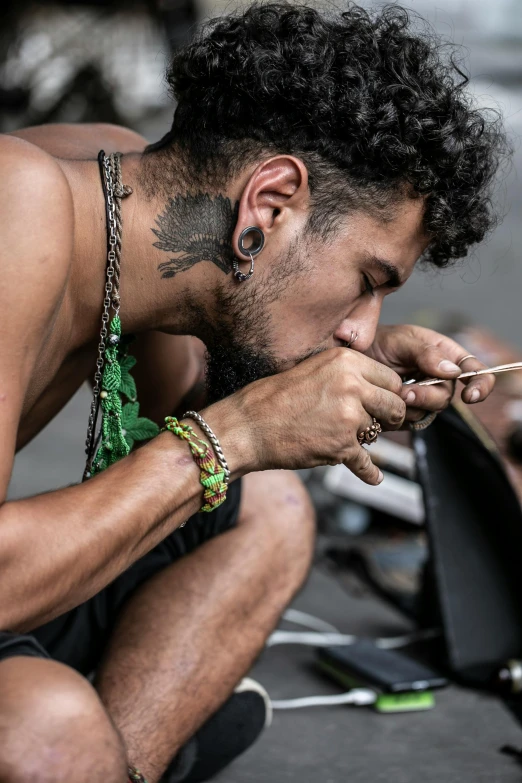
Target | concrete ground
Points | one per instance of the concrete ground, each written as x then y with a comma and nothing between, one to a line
456,742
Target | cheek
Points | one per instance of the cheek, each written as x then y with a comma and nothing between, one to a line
314,309
331,297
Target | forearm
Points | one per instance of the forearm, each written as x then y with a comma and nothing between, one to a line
59,549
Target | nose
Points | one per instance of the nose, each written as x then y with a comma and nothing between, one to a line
363,319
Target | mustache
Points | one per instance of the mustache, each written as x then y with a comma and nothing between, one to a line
288,363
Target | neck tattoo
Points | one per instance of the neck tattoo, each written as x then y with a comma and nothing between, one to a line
196,228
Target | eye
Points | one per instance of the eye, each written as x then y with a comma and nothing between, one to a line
368,287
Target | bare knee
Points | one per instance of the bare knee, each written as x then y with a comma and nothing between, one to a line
53,727
277,504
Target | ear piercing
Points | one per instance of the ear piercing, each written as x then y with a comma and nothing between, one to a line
249,252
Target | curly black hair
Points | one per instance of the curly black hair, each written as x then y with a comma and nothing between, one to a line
375,105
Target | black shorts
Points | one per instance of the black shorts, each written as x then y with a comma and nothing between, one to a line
79,637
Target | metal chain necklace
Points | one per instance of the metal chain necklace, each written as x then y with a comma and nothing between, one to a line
121,425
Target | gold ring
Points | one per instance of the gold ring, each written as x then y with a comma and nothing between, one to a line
469,356
370,434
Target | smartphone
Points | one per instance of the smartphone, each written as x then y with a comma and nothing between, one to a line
389,671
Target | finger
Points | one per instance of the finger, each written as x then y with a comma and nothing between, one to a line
440,359
385,406
379,374
434,356
415,414
438,362
361,465
478,388
429,398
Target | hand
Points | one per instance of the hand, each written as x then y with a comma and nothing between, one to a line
311,415
417,352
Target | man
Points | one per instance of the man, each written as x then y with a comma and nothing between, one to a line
343,150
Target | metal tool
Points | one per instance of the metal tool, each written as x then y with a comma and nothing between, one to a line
487,371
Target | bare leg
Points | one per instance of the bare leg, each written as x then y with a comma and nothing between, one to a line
53,727
190,634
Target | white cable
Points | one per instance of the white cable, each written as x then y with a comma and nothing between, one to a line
359,697
310,638
314,639
297,617
393,642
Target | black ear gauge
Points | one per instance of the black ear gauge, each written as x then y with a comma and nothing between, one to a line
256,247
250,252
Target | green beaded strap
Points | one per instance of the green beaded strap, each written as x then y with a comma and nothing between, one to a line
135,776
121,424
212,476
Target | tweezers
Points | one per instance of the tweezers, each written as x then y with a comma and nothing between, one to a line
487,371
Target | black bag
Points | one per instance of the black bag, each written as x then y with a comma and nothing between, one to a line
472,585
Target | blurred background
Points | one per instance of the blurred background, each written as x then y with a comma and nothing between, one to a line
103,61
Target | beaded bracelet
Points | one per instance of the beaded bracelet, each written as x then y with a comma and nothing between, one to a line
216,445
212,475
135,776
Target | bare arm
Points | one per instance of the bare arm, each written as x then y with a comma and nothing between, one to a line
58,549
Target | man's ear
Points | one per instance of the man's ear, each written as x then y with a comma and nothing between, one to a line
276,186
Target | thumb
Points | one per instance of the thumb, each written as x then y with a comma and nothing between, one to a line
435,362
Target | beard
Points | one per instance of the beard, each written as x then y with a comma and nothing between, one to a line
231,366
237,333
238,345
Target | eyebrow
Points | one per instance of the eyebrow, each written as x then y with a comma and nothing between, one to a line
394,279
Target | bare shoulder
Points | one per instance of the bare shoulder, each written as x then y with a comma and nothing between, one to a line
36,211
82,141
33,190
122,139
22,161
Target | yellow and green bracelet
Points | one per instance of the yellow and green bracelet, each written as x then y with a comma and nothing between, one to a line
212,476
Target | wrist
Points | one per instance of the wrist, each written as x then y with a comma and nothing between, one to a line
231,428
